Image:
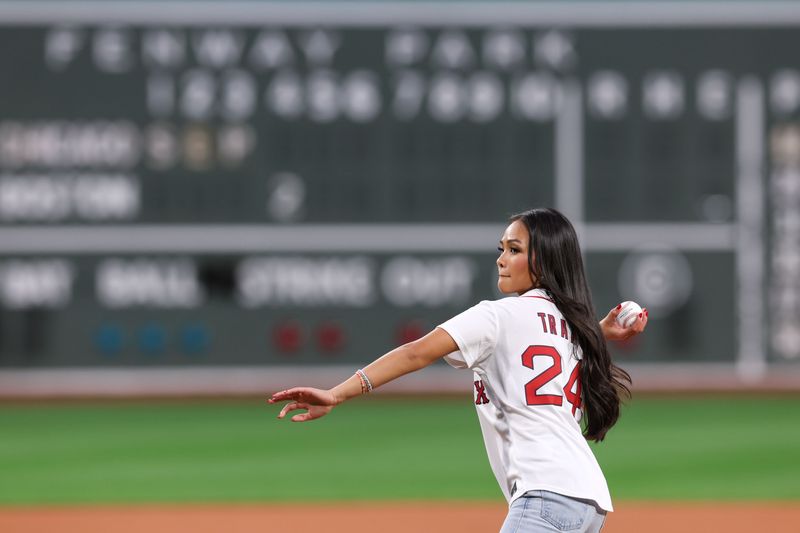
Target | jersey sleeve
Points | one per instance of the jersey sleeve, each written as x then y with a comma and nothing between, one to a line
475,331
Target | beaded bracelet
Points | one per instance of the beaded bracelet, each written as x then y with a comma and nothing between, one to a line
363,384
366,384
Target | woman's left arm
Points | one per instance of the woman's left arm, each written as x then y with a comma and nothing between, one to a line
398,362
614,332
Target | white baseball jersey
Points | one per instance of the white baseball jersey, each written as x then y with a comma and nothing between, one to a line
528,396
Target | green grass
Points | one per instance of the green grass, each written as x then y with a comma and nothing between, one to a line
731,448
669,448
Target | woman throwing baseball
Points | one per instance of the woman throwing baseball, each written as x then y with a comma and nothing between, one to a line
544,379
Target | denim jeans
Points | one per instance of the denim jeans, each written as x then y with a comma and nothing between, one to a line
542,511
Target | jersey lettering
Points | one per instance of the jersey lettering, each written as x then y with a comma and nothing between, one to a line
532,396
574,380
544,323
480,393
549,325
552,321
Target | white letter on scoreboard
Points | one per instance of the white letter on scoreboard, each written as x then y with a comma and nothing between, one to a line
112,50
61,47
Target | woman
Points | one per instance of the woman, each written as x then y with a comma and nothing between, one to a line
542,369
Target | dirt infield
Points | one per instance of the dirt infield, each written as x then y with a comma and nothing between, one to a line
468,517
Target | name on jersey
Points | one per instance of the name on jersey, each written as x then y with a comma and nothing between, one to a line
549,325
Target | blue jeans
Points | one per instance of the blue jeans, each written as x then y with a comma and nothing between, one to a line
542,511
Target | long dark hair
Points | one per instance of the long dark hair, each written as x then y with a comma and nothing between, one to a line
554,259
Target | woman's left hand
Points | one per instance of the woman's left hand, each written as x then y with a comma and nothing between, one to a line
614,332
316,402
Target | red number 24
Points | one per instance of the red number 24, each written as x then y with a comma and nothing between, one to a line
532,396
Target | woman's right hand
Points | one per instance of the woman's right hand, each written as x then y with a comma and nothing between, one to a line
612,331
316,402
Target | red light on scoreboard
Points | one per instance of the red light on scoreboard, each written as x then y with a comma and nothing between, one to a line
409,332
287,337
330,337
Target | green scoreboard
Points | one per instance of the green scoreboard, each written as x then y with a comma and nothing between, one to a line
310,184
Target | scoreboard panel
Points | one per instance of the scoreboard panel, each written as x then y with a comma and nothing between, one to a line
274,186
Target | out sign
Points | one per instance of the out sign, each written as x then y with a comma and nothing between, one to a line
409,281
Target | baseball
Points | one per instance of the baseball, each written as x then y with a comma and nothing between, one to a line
628,314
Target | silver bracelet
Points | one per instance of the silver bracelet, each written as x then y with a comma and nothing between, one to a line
364,379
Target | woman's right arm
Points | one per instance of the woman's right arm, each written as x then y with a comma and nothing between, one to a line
398,362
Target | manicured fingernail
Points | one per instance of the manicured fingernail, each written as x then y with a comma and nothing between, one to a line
619,306
646,312
640,315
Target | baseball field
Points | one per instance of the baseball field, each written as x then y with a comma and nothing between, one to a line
674,463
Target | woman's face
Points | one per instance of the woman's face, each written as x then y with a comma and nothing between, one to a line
512,265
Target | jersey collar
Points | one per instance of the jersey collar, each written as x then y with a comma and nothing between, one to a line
537,293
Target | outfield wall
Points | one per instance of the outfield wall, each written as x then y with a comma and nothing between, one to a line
214,200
